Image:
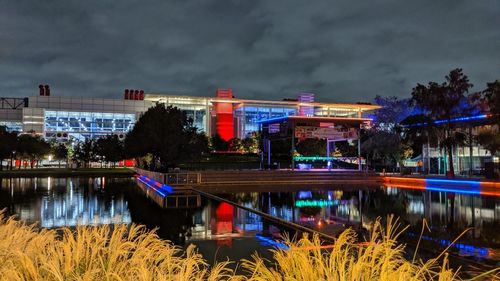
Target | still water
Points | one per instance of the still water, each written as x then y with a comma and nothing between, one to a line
448,211
223,231
219,230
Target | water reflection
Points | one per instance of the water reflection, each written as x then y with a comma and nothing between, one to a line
331,209
56,202
213,226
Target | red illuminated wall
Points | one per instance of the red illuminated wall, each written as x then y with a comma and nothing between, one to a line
224,111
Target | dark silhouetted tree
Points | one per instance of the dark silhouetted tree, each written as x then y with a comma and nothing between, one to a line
393,111
110,149
445,101
7,144
31,148
60,152
218,144
311,147
168,135
84,152
492,95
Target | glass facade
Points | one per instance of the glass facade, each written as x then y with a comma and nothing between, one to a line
12,126
248,115
195,108
87,124
336,111
197,113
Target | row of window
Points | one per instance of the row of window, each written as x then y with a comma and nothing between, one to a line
88,122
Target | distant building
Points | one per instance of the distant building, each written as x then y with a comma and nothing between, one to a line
57,117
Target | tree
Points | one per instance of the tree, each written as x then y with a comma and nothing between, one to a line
31,147
492,96
251,144
393,111
218,144
168,135
110,148
7,144
490,140
311,147
345,149
418,130
85,151
234,144
384,148
60,152
445,101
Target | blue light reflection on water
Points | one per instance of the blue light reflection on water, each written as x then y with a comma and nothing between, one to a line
57,202
449,209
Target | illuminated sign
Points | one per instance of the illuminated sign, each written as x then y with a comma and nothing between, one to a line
337,134
320,203
353,160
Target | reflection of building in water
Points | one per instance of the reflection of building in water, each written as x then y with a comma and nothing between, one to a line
219,220
66,202
442,208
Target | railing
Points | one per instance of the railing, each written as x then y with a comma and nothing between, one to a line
182,201
171,178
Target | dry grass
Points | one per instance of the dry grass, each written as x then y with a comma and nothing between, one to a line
97,253
133,253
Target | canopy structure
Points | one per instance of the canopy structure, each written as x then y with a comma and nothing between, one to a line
319,127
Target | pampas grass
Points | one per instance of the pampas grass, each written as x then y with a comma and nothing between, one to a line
97,253
379,259
134,253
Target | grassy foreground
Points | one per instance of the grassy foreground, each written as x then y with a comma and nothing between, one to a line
134,253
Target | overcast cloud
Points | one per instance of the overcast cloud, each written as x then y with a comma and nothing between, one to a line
344,51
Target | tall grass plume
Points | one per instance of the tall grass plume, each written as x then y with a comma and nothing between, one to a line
132,252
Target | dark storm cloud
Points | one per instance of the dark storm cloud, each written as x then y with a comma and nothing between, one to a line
343,51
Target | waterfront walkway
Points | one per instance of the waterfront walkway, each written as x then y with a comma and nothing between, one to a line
256,177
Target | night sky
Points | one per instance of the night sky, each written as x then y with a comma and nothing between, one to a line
343,51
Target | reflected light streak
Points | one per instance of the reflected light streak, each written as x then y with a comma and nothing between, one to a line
442,182
485,192
462,247
162,189
266,241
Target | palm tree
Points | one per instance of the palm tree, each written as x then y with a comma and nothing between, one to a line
444,102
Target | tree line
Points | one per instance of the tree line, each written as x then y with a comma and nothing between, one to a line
432,116
29,149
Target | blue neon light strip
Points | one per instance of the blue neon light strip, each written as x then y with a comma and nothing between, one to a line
151,187
454,190
440,181
162,189
477,117
453,120
271,242
275,119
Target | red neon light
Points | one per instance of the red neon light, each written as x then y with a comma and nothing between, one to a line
127,163
224,111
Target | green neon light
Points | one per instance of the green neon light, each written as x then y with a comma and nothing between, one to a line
313,158
317,203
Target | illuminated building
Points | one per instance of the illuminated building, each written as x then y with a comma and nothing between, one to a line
57,117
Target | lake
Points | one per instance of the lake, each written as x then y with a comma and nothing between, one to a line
221,230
